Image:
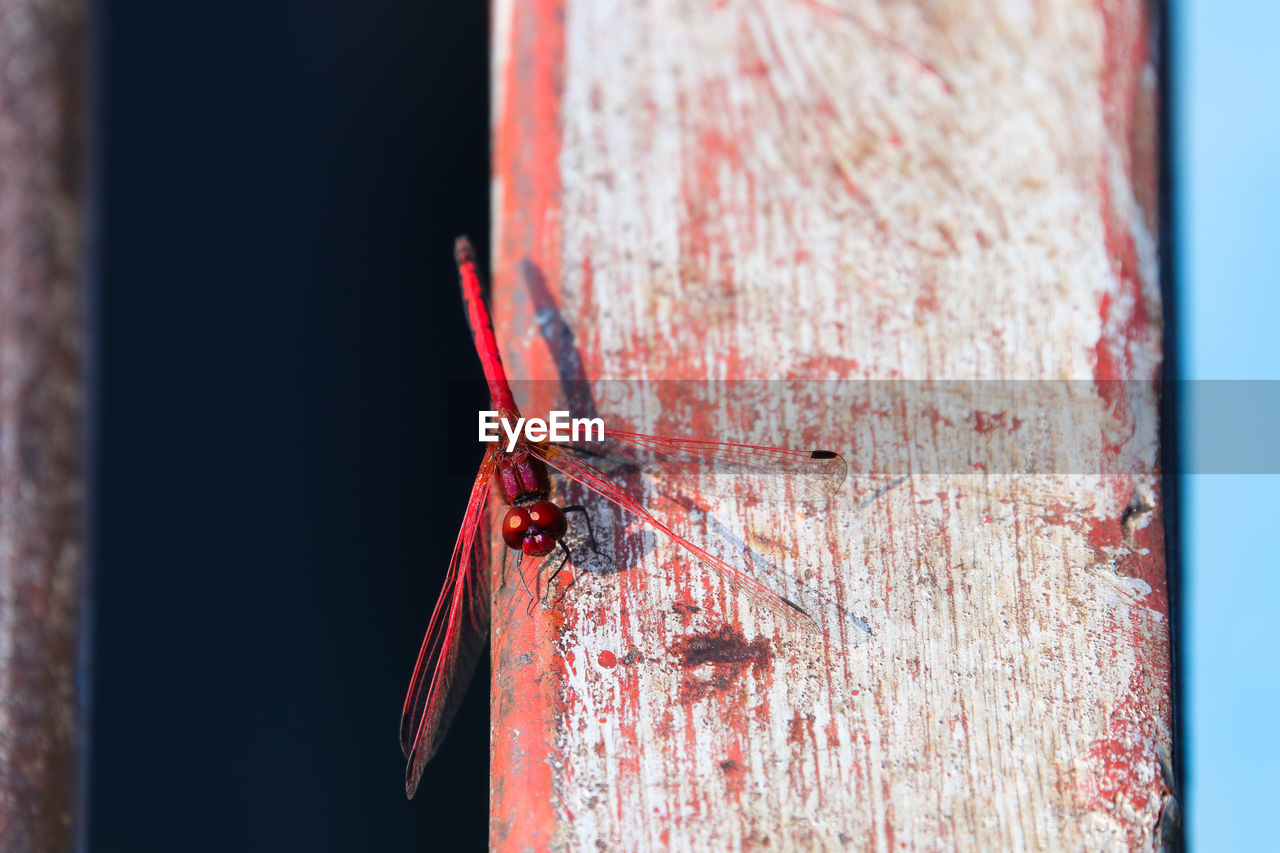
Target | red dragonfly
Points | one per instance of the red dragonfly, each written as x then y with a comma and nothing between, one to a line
534,525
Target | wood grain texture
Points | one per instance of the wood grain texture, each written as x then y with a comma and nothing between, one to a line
41,426
805,190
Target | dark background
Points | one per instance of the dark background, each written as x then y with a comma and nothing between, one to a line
279,336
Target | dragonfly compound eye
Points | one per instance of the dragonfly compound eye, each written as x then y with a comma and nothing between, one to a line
549,517
538,543
514,527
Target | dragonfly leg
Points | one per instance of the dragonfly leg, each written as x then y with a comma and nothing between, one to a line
586,516
564,558
524,581
576,572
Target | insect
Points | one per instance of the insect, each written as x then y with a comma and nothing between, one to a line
536,526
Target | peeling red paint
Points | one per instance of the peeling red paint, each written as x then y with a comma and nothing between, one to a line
1126,321
989,422
526,703
936,418
705,711
734,773
1125,776
1141,557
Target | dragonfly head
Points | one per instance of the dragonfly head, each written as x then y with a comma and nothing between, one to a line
535,529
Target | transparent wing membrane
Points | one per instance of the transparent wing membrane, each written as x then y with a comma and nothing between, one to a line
743,471
455,638
768,577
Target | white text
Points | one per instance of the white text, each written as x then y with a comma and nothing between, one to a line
561,428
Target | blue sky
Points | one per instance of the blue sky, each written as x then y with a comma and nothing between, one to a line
1227,173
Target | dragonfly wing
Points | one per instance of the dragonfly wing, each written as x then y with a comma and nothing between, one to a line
455,639
778,589
743,471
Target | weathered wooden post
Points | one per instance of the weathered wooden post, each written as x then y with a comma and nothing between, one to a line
957,192
41,429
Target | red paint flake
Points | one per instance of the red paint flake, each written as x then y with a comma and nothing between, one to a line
1107,537
795,734
735,777
685,606
801,729
830,366
825,110
1123,761
847,181
927,300
1122,768
832,731
988,422
1124,316
607,659
889,832
753,66
945,233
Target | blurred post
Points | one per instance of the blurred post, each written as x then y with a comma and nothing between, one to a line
42,82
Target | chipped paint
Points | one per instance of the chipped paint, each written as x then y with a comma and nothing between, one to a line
797,190
527,669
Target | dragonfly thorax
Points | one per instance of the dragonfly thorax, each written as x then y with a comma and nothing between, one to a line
534,529
520,476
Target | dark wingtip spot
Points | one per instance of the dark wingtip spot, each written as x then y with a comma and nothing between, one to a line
823,454
793,605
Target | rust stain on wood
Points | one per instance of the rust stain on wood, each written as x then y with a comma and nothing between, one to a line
868,191
718,660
